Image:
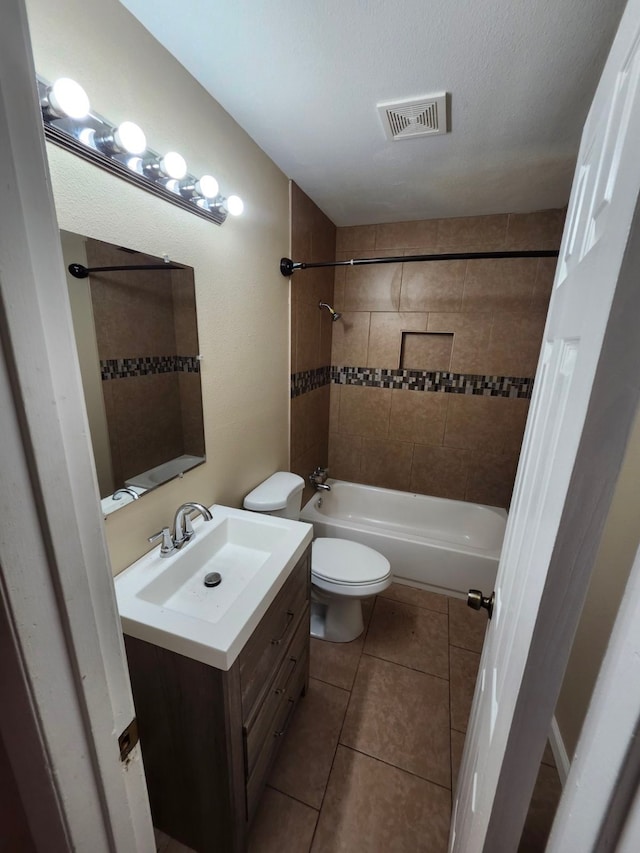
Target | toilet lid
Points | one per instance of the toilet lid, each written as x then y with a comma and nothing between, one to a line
343,561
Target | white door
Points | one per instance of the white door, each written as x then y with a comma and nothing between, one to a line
64,687
584,400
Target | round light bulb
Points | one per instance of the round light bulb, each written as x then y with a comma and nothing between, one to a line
174,165
130,138
207,186
68,98
87,137
235,205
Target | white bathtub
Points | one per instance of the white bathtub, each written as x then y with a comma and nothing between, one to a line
437,544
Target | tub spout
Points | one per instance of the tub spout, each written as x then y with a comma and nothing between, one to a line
318,479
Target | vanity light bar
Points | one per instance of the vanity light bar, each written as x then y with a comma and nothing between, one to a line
122,150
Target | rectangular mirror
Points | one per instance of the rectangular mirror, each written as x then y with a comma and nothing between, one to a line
137,341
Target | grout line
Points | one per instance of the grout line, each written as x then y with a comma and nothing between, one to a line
411,603
405,666
346,711
292,797
465,648
396,767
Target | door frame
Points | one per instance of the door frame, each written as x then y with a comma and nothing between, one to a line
63,655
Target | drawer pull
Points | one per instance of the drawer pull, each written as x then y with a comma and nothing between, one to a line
292,702
280,690
290,615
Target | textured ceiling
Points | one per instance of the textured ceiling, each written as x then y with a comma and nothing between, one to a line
303,79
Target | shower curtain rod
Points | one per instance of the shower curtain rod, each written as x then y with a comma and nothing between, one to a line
288,267
80,271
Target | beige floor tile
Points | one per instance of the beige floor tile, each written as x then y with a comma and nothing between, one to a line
418,597
375,808
542,809
177,847
303,766
457,745
467,627
282,825
162,840
402,717
337,663
548,757
410,636
463,670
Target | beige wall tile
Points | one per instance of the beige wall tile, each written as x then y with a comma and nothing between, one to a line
345,453
499,285
334,407
472,233
472,333
430,351
373,288
327,327
350,337
294,334
365,411
439,471
432,286
338,288
543,284
356,238
402,235
514,345
485,423
307,337
301,223
385,336
535,231
309,420
418,416
491,478
386,463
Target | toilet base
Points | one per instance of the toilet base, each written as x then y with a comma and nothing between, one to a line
337,620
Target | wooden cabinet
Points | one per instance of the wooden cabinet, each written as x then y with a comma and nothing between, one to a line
209,737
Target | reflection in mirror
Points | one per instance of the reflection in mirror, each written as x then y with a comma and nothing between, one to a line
137,341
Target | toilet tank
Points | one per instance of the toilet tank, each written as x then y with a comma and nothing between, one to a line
280,494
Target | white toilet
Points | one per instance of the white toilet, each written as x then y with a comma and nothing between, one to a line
342,572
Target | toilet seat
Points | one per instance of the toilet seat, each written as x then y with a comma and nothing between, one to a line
348,568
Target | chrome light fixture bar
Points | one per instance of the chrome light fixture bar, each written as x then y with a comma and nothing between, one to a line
122,150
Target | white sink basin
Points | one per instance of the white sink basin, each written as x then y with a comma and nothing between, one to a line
164,600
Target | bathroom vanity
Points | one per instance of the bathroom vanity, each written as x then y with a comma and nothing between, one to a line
210,733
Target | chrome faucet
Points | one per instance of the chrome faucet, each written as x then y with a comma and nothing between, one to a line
183,530
125,490
318,479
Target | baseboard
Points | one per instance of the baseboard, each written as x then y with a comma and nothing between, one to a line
563,763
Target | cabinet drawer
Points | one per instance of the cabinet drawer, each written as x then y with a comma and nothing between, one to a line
258,729
261,656
273,737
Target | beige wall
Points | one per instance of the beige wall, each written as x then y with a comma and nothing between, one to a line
618,547
243,317
481,317
313,238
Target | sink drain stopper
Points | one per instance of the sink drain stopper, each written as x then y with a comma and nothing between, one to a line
212,579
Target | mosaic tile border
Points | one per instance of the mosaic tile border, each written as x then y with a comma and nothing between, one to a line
438,381
309,380
123,368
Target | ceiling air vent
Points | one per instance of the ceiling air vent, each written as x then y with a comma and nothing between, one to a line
420,117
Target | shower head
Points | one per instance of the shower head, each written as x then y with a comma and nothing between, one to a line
334,314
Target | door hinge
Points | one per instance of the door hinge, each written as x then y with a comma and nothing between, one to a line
128,739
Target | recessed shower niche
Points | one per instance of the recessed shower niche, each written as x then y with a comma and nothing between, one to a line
137,340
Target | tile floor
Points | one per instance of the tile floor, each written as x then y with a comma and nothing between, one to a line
373,751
